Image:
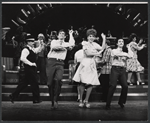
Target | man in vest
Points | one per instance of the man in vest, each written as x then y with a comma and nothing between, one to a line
28,57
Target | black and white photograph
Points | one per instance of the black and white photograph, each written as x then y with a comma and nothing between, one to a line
74,61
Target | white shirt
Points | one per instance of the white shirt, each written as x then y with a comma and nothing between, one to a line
119,57
58,44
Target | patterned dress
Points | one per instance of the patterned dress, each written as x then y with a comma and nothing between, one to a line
87,71
133,65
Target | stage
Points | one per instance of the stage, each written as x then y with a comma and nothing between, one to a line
69,111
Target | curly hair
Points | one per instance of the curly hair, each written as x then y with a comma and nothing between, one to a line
131,37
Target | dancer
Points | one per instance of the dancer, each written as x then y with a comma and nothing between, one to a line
18,43
77,60
105,72
41,60
28,57
87,72
133,65
55,65
118,71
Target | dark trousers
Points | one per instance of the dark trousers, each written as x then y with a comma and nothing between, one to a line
54,70
104,80
117,73
41,66
30,78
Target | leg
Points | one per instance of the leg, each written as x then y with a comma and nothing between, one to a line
104,79
88,92
138,78
81,88
50,71
43,77
51,93
78,92
124,91
22,85
58,83
129,77
32,75
112,84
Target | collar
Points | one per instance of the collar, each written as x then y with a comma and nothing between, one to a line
119,49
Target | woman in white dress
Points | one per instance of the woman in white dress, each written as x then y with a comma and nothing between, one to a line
87,72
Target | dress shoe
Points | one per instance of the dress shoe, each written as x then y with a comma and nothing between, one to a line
11,98
121,105
37,101
107,107
81,104
86,104
129,83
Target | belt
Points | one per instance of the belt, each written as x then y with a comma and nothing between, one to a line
56,59
119,67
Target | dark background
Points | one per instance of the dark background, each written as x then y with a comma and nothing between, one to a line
80,16
77,15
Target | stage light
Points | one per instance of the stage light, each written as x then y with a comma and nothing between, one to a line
50,5
136,16
31,10
41,7
24,12
21,21
143,23
15,23
120,9
130,14
137,20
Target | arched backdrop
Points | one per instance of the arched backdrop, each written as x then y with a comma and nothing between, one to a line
120,19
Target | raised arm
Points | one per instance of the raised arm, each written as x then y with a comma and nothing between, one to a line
71,42
104,41
39,48
71,38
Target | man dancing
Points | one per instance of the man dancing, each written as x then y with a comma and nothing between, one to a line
55,65
28,57
118,71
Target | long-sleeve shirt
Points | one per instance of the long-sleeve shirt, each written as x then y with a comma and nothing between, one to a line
58,48
119,57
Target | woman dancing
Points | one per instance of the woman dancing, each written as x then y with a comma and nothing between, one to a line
87,72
